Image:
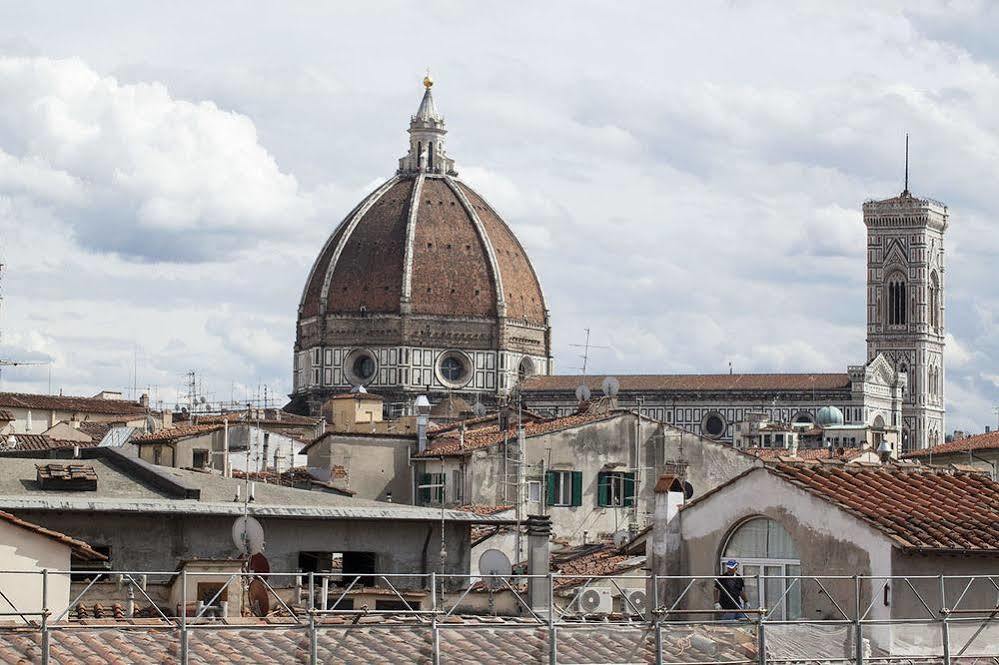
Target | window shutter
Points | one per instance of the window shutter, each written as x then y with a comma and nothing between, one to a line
577,488
549,488
603,489
424,491
629,489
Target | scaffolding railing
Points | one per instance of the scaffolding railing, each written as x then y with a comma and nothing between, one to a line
563,618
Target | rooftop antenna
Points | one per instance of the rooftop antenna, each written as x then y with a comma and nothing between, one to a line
586,346
6,362
906,190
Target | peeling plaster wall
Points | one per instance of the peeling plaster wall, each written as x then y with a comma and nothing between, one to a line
592,448
829,542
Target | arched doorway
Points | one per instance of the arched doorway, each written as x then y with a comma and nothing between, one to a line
764,547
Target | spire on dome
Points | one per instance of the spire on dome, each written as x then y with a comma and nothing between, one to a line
427,153
428,110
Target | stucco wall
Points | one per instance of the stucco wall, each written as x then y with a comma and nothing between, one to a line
590,449
829,542
401,546
21,549
376,467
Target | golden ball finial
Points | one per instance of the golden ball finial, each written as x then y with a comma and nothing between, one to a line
427,81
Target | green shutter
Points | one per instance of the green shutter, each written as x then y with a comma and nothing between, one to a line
424,491
603,489
629,489
577,488
550,488
439,479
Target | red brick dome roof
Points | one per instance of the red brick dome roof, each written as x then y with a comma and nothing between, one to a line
424,244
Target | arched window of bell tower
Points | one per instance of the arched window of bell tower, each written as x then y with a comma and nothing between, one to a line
896,303
934,301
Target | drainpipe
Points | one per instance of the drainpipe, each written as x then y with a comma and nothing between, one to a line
226,470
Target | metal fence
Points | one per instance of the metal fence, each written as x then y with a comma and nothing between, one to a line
436,618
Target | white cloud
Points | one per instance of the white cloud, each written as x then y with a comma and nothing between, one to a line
132,169
690,209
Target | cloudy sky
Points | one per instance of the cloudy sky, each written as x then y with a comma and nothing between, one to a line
687,182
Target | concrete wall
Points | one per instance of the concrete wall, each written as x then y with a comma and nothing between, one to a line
829,542
980,595
21,549
257,442
987,460
592,448
376,467
400,546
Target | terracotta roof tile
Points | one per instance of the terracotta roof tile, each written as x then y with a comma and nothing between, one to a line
379,641
171,434
80,548
6,416
45,442
668,382
988,441
73,404
805,453
481,509
455,443
920,508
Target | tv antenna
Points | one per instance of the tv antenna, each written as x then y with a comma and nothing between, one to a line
586,346
7,362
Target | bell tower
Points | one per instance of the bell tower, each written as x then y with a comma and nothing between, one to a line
905,304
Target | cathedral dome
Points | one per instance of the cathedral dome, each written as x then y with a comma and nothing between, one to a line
424,244
421,289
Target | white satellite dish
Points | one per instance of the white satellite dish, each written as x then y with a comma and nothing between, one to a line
621,538
610,386
495,562
248,535
583,392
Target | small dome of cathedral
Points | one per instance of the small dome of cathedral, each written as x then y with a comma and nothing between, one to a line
829,416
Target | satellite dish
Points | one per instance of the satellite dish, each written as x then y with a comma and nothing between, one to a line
610,386
494,562
258,563
258,597
583,392
479,409
248,536
589,601
688,491
621,538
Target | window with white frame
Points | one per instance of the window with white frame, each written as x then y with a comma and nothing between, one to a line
767,557
534,491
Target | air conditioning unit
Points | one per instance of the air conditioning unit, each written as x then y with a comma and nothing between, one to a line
635,601
595,601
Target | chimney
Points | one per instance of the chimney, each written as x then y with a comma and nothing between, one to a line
794,442
539,529
144,400
422,419
662,549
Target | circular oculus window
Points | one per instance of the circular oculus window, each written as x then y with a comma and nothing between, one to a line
713,425
454,368
360,367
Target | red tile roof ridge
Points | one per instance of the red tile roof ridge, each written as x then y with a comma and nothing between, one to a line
81,548
986,441
458,443
71,403
175,433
